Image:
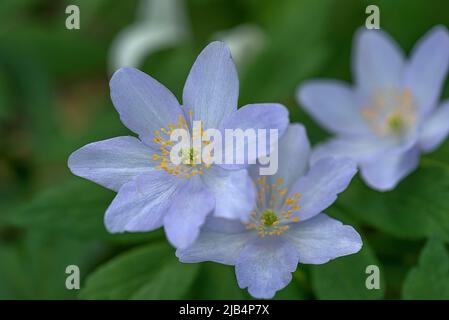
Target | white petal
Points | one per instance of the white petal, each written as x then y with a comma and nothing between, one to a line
358,148
234,192
144,104
334,105
216,246
264,116
320,187
265,266
322,238
187,213
386,171
212,87
435,129
427,68
294,153
113,162
141,203
378,62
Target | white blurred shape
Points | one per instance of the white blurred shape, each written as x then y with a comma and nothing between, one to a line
245,42
161,24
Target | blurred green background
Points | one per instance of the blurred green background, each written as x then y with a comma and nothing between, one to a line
54,98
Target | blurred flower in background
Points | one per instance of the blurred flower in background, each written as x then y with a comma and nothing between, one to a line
390,116
161,24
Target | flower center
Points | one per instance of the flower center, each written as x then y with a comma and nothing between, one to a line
191,164
274,210
396,122
269,218
391,112
189,156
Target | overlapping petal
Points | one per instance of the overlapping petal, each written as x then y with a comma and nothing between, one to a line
321,185
142,202
217,244
268,116
233,191
187,213
294,154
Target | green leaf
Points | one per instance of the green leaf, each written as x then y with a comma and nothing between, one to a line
217,282
148,272
275,74
76,207
345,277
417,208
33,266
430,279
294,290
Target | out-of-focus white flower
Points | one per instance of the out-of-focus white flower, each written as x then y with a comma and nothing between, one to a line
245,42
161,24
391,115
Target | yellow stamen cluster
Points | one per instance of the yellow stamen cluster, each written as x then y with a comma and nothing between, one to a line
265,219
191,159
391,112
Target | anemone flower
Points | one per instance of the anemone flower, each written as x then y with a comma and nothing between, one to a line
391,116
287,225
152,190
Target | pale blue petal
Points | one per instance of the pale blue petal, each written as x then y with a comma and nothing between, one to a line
216,246
141,203
322,238
435,129
188,213
321,185
233,190
113,162
144,104
386,171
294,154
224,225
254,117
378,62
358,148
265,266
427,68
212,87
334,105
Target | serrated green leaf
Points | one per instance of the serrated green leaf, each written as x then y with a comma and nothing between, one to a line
430,279
345,277
148,272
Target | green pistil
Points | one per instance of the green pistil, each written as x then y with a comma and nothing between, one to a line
396,123
188,156
269,217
